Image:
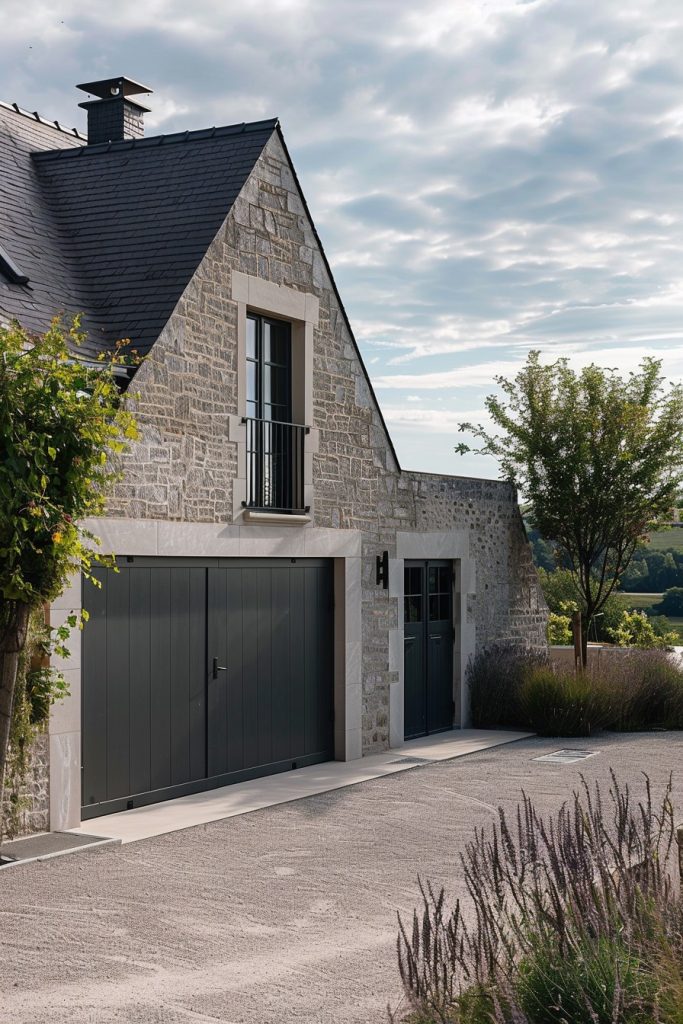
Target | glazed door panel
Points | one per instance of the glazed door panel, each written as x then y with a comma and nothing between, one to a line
428,647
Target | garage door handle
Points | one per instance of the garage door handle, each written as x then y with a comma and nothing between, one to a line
218,668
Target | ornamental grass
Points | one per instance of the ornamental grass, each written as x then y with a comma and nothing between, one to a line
628,691
572,918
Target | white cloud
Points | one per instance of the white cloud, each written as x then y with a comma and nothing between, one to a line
482,116
439,421
478,375
488,176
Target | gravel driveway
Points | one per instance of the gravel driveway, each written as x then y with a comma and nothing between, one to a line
279,916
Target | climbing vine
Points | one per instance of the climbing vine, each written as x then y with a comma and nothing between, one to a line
37,688
64,425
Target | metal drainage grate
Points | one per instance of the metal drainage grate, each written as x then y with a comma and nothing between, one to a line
412,760
566,756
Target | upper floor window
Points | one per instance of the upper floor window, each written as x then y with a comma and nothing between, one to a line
275,336
275,445
269,369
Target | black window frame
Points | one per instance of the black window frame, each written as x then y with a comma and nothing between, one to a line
275,444
256,407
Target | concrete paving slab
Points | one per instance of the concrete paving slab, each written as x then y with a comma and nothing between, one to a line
257,794
49,844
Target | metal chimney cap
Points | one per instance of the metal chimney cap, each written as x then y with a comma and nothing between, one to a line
109,88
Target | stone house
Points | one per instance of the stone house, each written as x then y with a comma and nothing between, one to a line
287,593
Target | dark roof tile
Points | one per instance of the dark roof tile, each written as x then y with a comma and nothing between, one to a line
116,230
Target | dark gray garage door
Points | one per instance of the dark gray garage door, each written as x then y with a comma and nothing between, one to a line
196,676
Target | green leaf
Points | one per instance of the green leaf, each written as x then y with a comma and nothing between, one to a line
55,412
598,459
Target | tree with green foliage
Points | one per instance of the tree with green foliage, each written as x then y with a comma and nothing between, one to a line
671,603
545,555
597,457
668,575
653,570
560,590
559,630
636,576
63,422
637,630
563,597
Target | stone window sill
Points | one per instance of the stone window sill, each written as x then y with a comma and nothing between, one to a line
274,518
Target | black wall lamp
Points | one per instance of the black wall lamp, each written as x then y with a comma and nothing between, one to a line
383,570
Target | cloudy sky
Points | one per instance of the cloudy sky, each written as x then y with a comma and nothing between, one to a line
487,176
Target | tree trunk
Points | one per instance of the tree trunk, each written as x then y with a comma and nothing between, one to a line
12,639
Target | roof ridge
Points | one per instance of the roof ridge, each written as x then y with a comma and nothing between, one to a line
35,116
172,138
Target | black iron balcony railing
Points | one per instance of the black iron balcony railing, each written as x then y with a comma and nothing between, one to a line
275,466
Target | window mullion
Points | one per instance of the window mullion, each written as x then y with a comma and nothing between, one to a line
259,367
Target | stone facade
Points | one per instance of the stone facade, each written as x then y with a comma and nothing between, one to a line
184,465
34,795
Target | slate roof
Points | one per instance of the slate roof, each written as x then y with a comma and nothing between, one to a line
29,233
116,230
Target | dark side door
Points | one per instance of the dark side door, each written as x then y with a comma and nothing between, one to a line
428,647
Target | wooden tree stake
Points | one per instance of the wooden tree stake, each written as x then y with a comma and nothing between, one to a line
576,632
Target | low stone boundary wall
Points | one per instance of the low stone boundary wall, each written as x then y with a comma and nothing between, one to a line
563,657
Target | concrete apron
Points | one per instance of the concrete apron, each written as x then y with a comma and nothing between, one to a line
243,797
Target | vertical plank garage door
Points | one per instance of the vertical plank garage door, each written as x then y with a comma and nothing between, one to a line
197,676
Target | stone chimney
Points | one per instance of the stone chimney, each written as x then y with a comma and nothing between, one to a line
113,116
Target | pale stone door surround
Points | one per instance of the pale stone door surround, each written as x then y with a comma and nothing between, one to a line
213,540
454,546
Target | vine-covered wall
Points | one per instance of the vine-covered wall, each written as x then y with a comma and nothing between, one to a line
27,804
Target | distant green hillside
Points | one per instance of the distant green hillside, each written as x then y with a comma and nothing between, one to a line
645,603
654,568
664,539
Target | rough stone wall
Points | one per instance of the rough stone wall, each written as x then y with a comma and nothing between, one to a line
509,604
34,815
183,466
